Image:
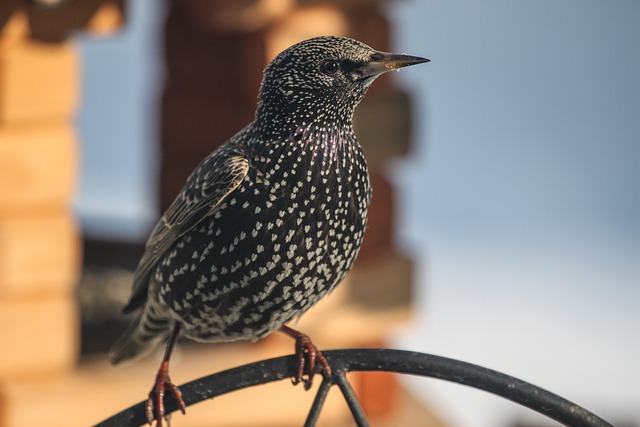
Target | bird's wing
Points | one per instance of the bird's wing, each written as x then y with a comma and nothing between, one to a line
216,177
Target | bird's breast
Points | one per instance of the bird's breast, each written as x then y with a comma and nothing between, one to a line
282,240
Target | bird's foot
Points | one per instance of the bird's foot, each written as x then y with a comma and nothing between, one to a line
154,407
307,357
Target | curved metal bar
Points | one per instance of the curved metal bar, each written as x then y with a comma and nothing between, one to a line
318,402
398,361
352,400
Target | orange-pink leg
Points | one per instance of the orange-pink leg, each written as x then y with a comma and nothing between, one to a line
307,355
154,406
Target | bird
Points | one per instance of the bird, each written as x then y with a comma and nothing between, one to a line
268,223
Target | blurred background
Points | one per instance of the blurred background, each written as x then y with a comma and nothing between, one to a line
505,229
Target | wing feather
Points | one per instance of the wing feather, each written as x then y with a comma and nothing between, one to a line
209,184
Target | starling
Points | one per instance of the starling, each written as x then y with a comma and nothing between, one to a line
267,224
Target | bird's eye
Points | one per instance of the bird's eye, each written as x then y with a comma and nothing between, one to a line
330,67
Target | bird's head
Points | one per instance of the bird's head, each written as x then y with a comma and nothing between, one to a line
324,78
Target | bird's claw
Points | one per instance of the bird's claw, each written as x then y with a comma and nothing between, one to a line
154,406
307,356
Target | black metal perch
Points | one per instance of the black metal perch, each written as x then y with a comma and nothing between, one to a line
398,361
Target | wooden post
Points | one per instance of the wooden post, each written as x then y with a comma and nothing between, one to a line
40,247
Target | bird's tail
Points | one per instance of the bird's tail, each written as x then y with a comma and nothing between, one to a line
140,337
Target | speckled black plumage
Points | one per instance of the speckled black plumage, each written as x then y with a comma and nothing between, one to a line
270,222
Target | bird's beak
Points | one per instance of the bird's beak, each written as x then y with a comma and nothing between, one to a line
382,62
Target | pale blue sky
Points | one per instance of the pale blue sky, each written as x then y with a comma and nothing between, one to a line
521,201
532,110
118,123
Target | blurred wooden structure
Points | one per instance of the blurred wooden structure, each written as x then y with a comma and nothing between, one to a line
39,242
215,52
